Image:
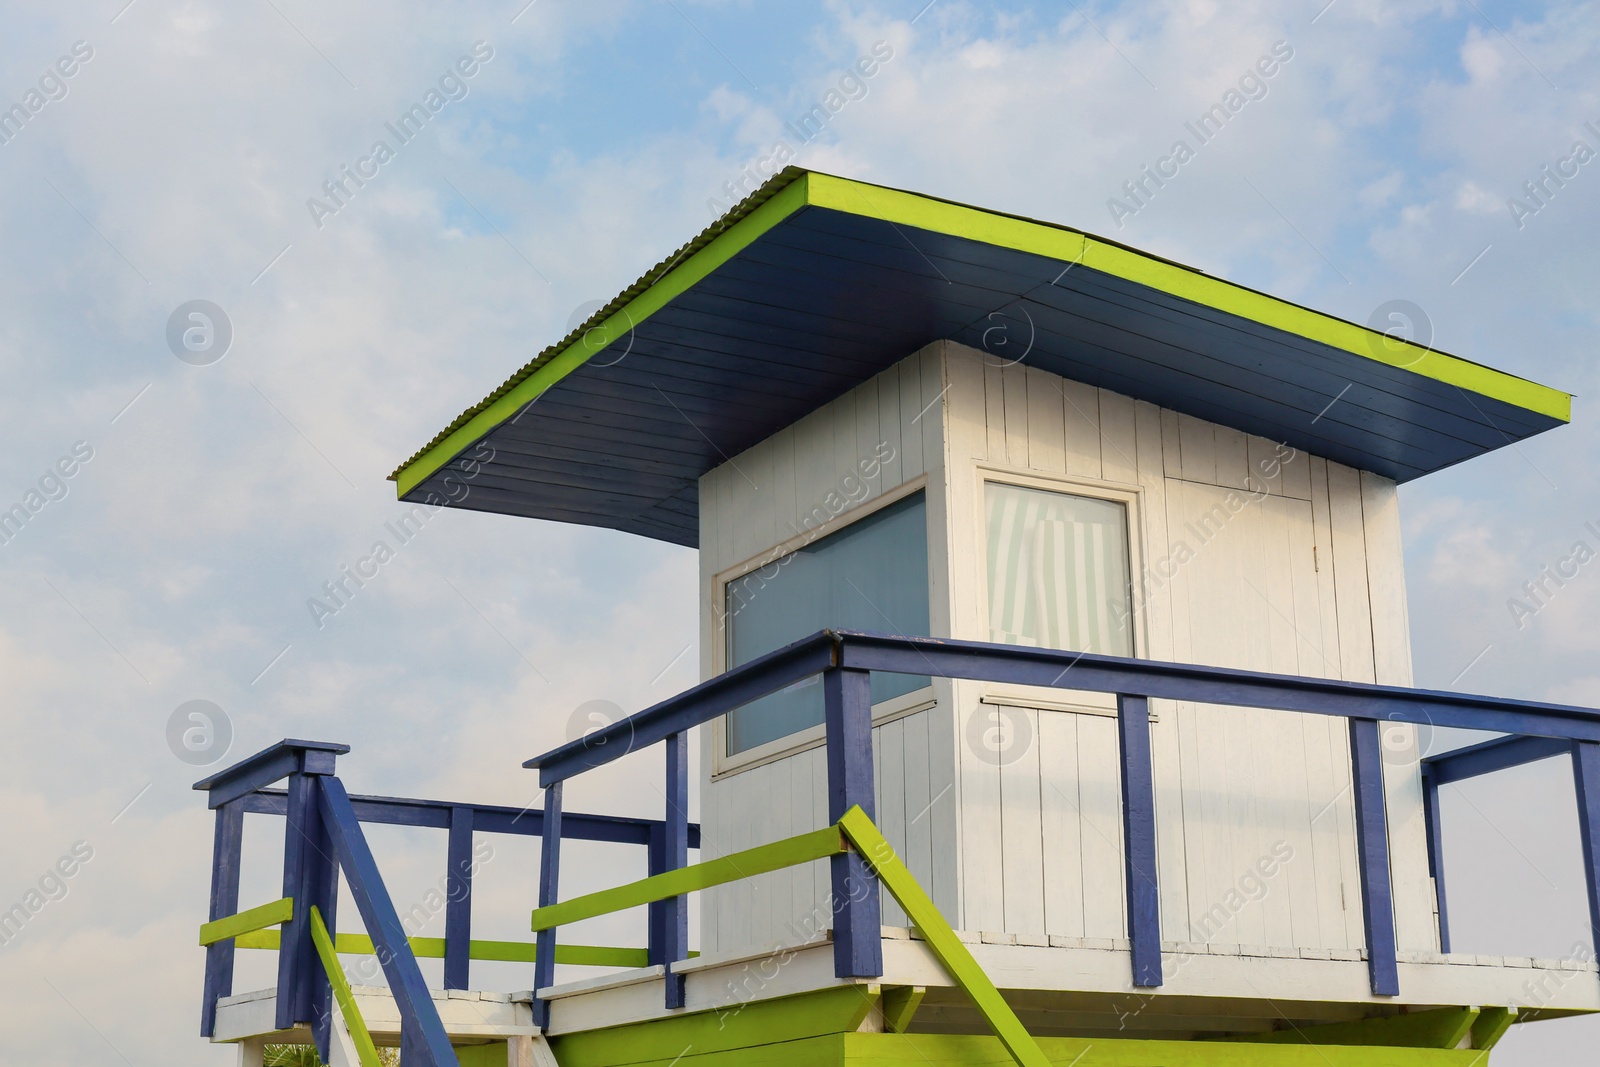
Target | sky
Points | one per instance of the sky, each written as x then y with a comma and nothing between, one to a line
212,492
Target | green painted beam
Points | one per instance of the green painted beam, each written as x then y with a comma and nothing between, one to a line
790,852
941,1049
353,1022
941,939
494,1054
957,1050
244,922
900,1006
1491,1026
740,1029
1438,1028
504,951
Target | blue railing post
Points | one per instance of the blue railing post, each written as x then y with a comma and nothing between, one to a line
1139,839
1586,783
857,922
674,913
311,878
1433,825
1372,847
544,963
458,900
656,926
225,854
320,874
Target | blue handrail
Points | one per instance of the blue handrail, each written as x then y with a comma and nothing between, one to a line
323,834
845,660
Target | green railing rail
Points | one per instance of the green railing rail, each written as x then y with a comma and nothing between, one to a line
249,929
433,948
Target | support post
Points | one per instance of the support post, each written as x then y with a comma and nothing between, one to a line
310,877
458,900
321,881
296,936
857,922
226,847
1139,839
1372,847
1434,827
656,928
1586,783
544,964
675,854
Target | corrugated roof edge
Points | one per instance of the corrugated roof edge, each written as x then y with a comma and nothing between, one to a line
767,190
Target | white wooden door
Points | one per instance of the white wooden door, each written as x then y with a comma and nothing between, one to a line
1266,830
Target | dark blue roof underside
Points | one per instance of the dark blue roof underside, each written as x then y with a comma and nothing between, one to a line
825,300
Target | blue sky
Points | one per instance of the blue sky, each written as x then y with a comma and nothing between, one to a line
220,498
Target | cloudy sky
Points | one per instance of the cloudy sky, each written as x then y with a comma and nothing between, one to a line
207,503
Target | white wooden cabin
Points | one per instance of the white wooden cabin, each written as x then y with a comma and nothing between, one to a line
1004,802
1163,466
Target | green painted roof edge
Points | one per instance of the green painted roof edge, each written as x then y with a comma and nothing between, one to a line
792,188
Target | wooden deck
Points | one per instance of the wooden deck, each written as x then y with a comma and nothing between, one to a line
1084,989
1076,991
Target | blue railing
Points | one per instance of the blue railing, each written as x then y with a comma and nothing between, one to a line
846,659
1501,754
323,835
323,838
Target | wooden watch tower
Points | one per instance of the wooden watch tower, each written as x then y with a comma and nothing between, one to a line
1057,701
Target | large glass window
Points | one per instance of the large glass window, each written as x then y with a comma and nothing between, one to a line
1058,570
871,575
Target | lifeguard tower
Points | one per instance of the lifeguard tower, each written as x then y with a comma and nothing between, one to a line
1057,703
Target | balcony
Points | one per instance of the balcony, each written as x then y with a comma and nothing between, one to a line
857,987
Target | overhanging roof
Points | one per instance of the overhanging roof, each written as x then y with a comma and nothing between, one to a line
816,283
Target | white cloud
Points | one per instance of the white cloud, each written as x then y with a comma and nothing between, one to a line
1476,200
1482,57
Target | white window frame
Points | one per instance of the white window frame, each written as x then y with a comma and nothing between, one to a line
1050,698
724,763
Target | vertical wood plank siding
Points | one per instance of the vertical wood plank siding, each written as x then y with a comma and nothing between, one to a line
1250,560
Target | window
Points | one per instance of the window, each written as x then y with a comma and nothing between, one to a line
1058,570
871,575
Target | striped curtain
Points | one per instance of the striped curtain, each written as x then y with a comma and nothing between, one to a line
1058,570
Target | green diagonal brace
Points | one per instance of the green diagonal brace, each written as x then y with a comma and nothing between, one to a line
941,939
365,1051
1491,1026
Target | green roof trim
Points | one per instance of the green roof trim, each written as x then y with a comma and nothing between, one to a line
1068,245
793,189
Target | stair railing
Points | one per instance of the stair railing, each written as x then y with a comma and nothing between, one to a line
322,840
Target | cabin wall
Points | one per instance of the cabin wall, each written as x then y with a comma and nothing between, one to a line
761,498
1300,574
1249,561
